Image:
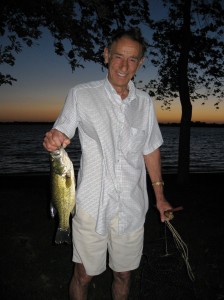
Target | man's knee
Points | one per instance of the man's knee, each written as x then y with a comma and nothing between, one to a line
121,284
122,276
80,275
78,288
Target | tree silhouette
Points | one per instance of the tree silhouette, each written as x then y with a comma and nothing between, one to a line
188,50
80,28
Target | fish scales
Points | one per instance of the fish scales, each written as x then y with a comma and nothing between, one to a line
63,193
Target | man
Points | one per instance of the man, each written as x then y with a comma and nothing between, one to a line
119,136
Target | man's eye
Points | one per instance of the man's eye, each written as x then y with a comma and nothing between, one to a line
133,60
117,56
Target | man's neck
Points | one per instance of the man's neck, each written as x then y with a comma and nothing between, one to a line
122,92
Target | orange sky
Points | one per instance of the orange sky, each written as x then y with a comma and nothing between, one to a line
202,113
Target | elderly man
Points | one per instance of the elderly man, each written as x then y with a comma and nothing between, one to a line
120,139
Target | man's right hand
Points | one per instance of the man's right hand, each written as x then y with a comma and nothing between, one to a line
54,139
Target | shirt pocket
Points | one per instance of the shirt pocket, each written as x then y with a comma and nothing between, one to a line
136,140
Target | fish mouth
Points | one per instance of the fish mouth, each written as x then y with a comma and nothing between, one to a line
56,153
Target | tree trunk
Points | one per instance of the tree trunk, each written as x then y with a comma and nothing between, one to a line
185,126
184,143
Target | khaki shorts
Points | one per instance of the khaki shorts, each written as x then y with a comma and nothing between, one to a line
90,248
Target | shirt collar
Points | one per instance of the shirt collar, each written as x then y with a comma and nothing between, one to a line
131,95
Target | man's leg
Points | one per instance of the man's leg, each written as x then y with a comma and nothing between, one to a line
78,289
125,252
121,285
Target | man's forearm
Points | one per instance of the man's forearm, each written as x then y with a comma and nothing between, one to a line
153,166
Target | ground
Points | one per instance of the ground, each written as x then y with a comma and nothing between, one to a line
33,267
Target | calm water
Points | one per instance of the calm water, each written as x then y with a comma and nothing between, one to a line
21,149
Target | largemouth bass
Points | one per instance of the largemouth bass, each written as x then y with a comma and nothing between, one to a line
63,193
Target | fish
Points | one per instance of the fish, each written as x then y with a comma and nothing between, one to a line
62,193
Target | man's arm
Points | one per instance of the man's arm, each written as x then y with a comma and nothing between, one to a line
153,166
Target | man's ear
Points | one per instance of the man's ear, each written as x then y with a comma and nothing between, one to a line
106,55
141,62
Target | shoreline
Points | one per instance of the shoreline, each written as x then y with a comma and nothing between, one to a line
173,124
45,176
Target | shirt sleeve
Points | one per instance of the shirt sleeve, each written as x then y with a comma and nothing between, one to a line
154,137
67,120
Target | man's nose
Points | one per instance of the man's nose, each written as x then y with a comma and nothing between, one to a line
124,64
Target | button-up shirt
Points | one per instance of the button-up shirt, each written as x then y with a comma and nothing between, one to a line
114,135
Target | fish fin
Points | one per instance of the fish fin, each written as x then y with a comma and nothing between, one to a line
63,236
69,174
73,211
53,210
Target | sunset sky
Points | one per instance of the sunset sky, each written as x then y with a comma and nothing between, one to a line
44,79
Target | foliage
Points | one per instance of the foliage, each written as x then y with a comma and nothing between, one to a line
205,71
80,28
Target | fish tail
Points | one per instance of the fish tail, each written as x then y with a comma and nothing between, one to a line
63,236
53,210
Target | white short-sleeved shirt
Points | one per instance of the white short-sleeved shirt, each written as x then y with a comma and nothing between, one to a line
114,135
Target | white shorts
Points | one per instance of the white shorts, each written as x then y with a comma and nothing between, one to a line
90,248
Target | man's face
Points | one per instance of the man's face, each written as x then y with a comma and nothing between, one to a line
123,60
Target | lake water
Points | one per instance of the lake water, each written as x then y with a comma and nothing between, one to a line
21,149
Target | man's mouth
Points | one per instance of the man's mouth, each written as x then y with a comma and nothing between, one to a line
121,74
